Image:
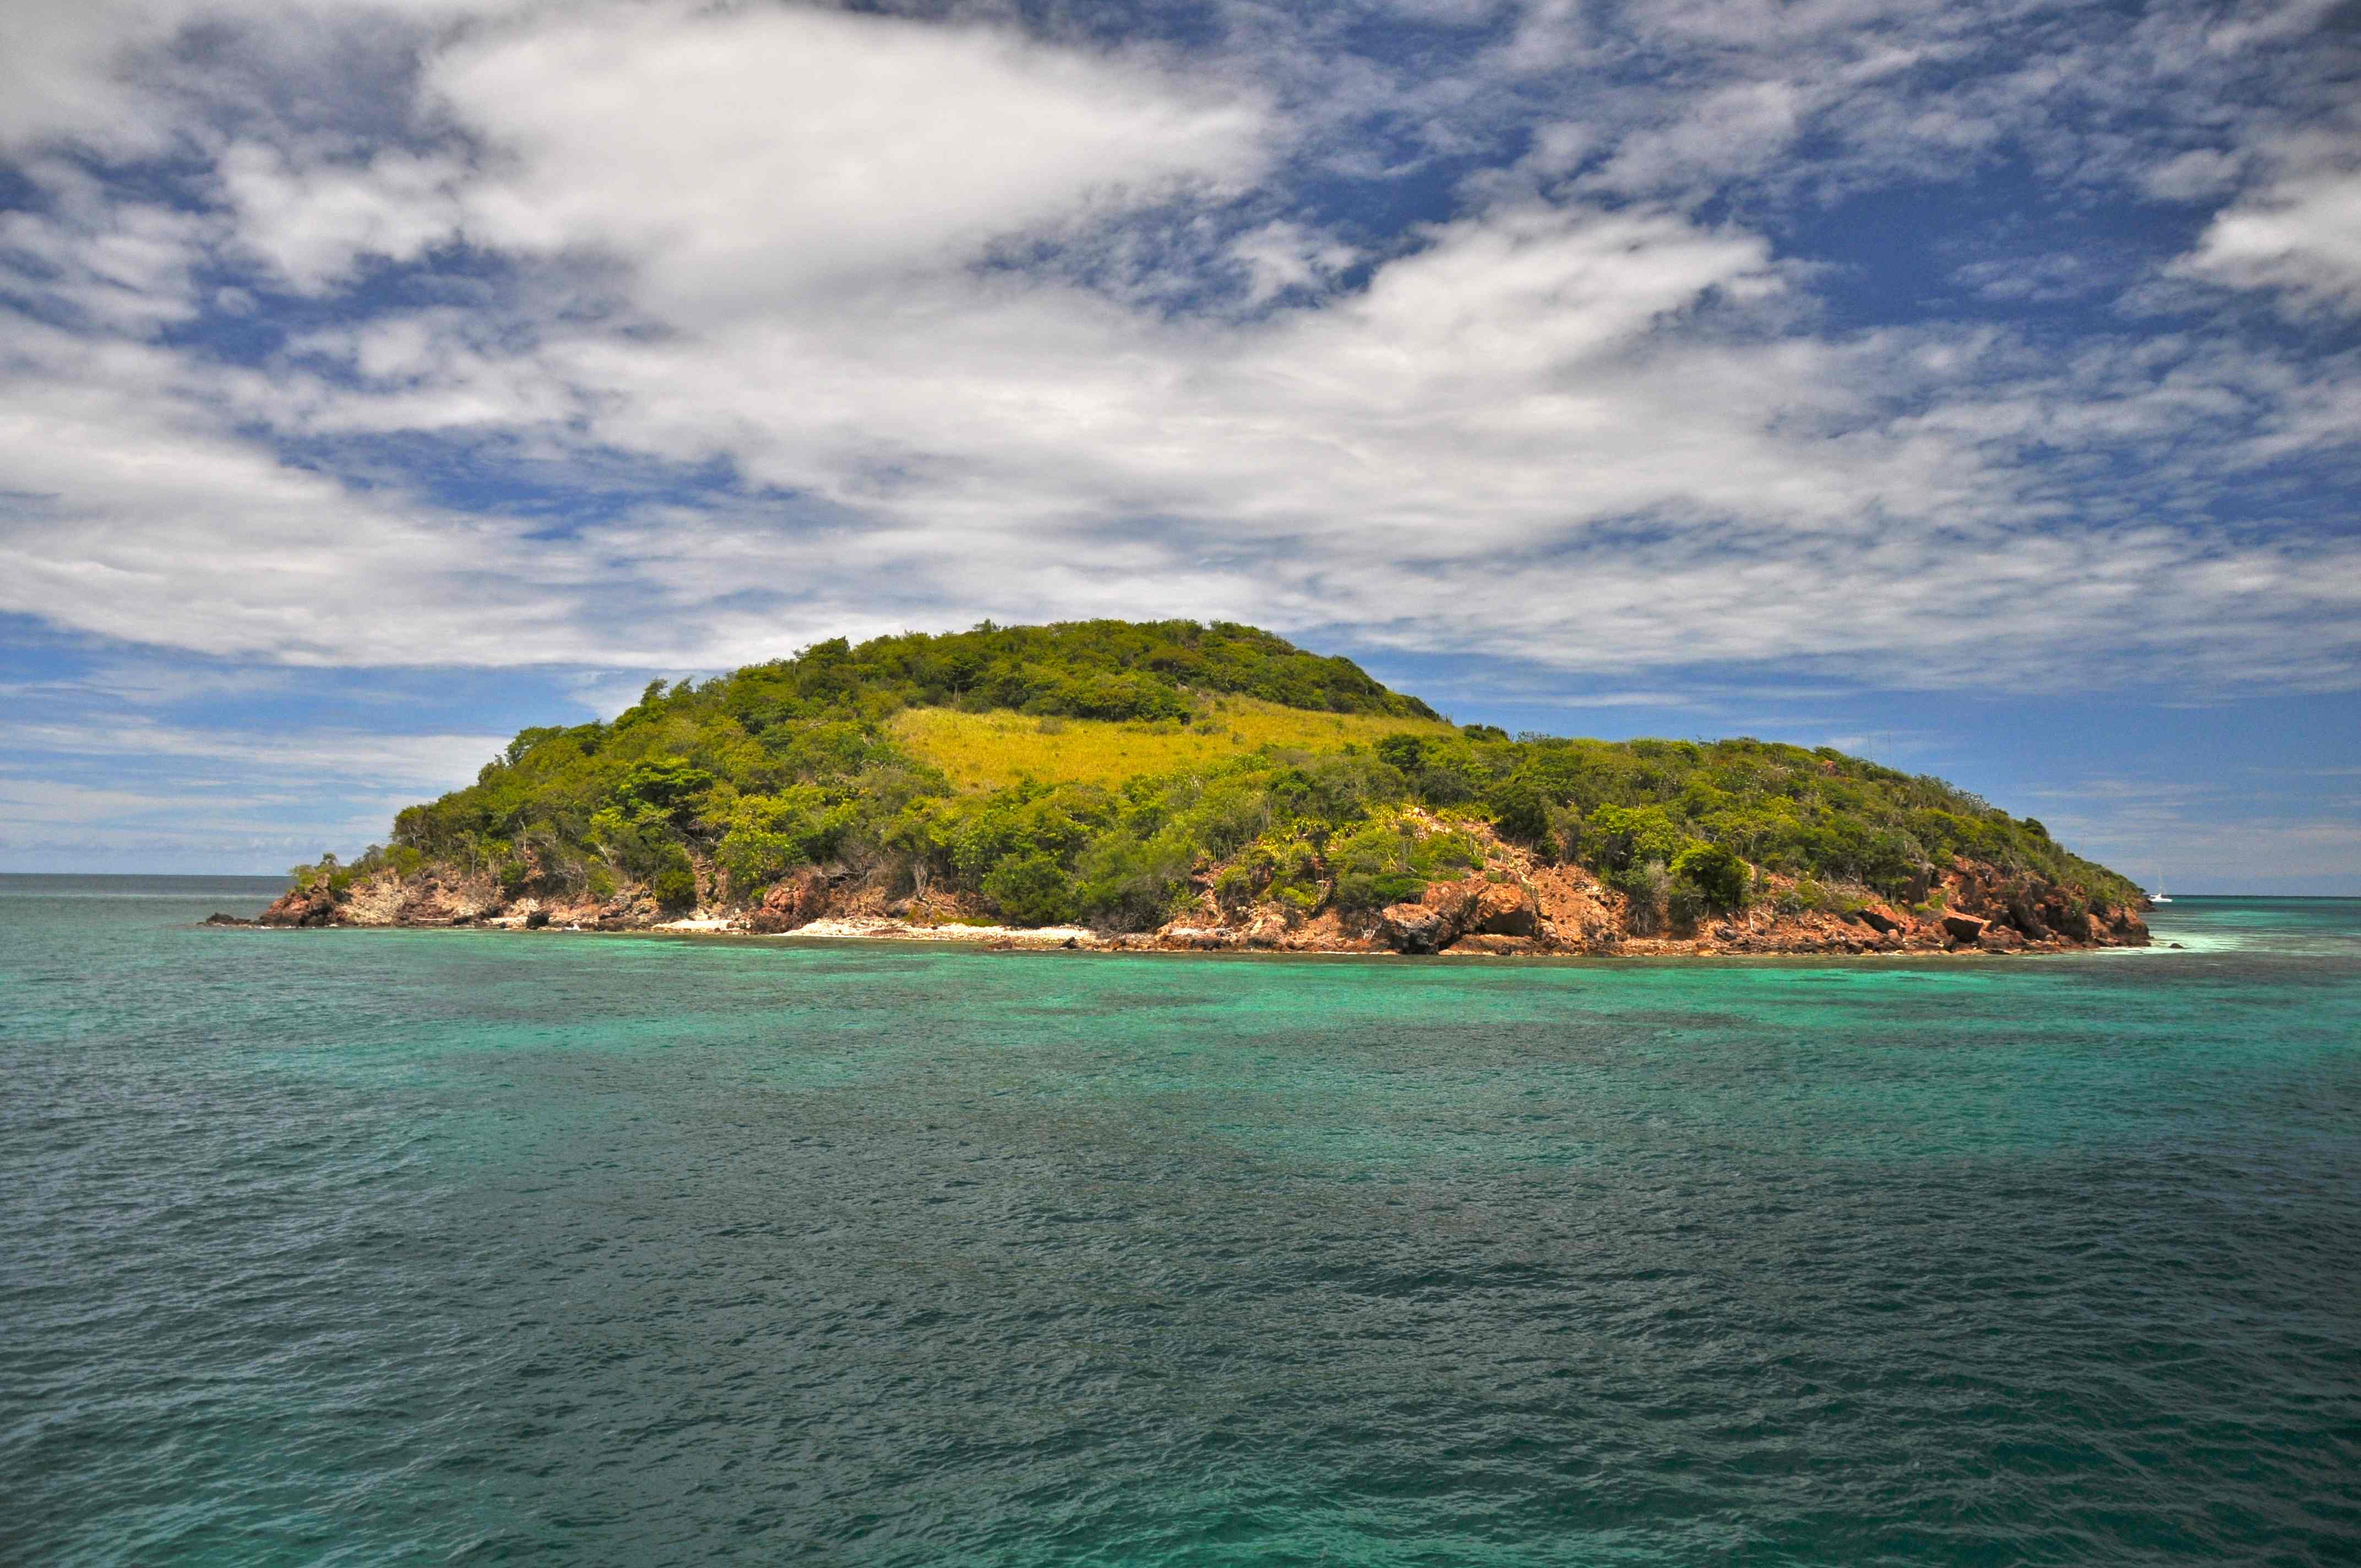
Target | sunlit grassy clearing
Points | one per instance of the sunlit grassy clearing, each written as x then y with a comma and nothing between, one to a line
992,750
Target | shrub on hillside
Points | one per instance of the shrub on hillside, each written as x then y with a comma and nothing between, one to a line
1405,751
1620,838
1129,883
1649,887
1390,861
673,884
1712,874
1521,810
771,834
1806,897
1031,890
1283,868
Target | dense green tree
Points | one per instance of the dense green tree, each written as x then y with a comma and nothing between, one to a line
673,883
1713,873
1032,889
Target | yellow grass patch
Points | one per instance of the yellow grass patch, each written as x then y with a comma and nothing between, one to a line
992,750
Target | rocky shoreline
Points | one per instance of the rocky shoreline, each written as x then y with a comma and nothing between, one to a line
1512,907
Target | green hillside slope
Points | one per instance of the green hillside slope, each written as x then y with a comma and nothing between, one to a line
994,750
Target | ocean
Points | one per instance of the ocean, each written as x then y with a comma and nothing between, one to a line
367,1247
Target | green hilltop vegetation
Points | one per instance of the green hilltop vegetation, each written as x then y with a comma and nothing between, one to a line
1090,771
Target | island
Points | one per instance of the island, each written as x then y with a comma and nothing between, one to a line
1208,787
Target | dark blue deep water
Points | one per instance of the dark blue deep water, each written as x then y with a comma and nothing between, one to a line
373,1248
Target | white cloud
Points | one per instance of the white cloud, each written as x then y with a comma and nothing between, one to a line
139,515
1529,435
2299,232
2210,837
100,75
180,823
131,793
977,320
1730,132
2192,176
27,803
118,265
59,72
1577,424
441,761
1278,256
733,158
313,218
1448,388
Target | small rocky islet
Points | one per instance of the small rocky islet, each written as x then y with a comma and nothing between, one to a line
1173,787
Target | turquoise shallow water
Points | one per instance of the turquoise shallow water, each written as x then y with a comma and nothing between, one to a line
365,1247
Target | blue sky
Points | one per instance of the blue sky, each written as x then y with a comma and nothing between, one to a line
1976,387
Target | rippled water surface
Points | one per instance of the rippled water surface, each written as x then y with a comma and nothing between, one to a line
369,1247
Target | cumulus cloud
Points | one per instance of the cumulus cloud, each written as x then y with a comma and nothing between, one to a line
313,219
96,261
732,158
112,77
665,335
60,73
136,514
2299,231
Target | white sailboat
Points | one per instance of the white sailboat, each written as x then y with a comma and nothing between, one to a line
2160,896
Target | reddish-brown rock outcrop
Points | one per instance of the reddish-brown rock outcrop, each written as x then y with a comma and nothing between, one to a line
1415,928
798,901
429,905
1880,918
312,906
1495,945
1576,911
1504,909
1450,914
1265,930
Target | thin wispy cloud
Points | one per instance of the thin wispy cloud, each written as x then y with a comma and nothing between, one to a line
398,757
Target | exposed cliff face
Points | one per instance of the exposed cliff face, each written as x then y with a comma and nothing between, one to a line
307,907
1515,907
1512,905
